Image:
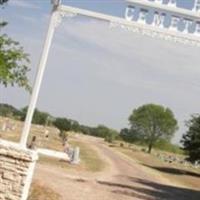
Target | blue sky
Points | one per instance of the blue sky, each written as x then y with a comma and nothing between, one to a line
98,75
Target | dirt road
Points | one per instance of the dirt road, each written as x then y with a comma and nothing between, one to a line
123,179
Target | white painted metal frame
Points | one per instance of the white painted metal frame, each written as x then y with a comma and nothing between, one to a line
60,10
39,76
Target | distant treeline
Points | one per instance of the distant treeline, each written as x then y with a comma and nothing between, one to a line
39,117
63,124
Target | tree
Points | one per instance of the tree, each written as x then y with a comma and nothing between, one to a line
9,111
63,125
153,122
102,131
13,63
191,140
86,129
111,135
13,60
3,1
38,116
129,135
74,125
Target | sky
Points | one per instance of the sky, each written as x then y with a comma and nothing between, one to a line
96,74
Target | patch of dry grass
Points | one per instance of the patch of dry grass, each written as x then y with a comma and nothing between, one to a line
42,192
184,176
90,160
89,157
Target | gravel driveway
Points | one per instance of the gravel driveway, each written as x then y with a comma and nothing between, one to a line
123,179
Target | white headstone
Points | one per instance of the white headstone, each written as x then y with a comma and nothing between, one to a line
4,126
46,133
76,156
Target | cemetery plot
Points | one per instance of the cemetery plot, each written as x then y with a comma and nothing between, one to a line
89,159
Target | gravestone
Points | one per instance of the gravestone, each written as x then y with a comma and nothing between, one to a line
76,156
3,128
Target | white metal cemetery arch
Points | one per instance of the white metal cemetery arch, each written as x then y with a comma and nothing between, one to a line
155,29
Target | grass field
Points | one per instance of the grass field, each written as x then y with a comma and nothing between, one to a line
41,192
186,176
90,160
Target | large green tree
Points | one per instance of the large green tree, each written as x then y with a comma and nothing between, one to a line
129,135
63,124
13,60
191,140
153,122
107,133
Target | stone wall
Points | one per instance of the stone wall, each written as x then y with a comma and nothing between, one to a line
16,171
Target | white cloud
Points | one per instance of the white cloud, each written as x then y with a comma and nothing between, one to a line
32,19
171,63
23,4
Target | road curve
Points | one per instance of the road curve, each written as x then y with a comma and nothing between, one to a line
124,179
